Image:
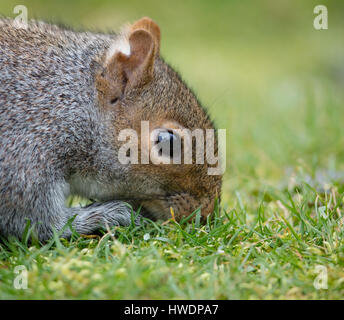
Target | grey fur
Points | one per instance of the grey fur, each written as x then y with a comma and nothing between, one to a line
51,131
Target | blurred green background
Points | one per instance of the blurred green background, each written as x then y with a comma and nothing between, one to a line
259,67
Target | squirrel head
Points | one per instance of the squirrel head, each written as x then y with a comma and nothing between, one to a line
143,94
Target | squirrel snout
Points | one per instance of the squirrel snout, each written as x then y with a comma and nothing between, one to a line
182,205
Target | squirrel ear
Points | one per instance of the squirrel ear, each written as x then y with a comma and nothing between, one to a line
136,68
151,27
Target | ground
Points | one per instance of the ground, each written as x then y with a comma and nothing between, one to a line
275,83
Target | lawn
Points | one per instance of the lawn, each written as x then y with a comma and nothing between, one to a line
276,84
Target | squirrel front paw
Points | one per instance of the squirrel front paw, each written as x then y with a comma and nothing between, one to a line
103,215
118,213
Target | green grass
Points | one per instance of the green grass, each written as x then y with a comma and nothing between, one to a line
276,85
271,256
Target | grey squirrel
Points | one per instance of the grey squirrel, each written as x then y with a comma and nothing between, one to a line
64,97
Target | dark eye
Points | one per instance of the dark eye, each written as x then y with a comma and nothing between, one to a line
169,143
114,100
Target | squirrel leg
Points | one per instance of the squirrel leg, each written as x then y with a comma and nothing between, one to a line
45,209
99,215
51,214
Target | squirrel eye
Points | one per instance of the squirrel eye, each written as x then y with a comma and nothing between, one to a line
168,141
114,100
